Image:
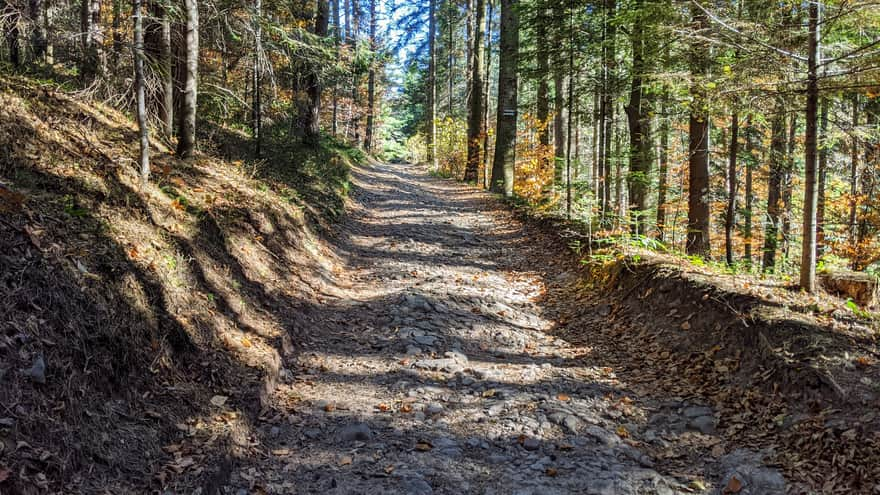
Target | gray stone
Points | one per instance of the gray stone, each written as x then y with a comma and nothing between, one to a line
749,469
416,486
427,340
572,423
703,424
696,411
531,444
434,408
603,436
38,370
357,432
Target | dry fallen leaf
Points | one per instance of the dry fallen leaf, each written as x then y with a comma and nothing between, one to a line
423,446
218,400
563,397
622,431
551,472
345,460
733,486
406,408
383,407
329,408
281,452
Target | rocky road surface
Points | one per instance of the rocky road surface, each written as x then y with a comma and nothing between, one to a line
436,373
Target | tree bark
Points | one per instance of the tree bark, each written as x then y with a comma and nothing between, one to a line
823,174
808,252
187,122
38,36
542,101
10,18
431,114
853,173
663,164
140,90
774,192
607,107
257,103
312,117
487,92
638,118
698,165
747,211
93,63
558,92
475,94
337,41
732,186
505,140
371,84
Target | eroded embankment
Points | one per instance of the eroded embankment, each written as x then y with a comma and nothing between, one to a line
782,371
142,327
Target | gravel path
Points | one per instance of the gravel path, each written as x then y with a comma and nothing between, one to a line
435,373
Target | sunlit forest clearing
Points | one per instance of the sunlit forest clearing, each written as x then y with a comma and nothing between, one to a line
439,246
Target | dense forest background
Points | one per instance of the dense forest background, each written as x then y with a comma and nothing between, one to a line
740,130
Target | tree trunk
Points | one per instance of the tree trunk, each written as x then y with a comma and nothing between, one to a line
486,92
450,52
607,106
787,188
638,118
732,186
854,174
38,29
10,19
747,211
698,148
774,183
187,122
808,252
257,103
337,41
823,173
663,164
542,100
571,114
312,117
93,63
371,85
505,140
475,94
558,92
140,90
432,85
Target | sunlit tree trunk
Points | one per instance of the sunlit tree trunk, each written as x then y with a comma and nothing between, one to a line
749,196
476,103
808,254
732,186
257,103
505,140
337,41
140,91
371,84
823,175
431,114
542,100
187,122
312,117
698,148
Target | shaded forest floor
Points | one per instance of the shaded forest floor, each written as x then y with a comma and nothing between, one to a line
227,330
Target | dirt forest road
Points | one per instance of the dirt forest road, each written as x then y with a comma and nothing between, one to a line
438,372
